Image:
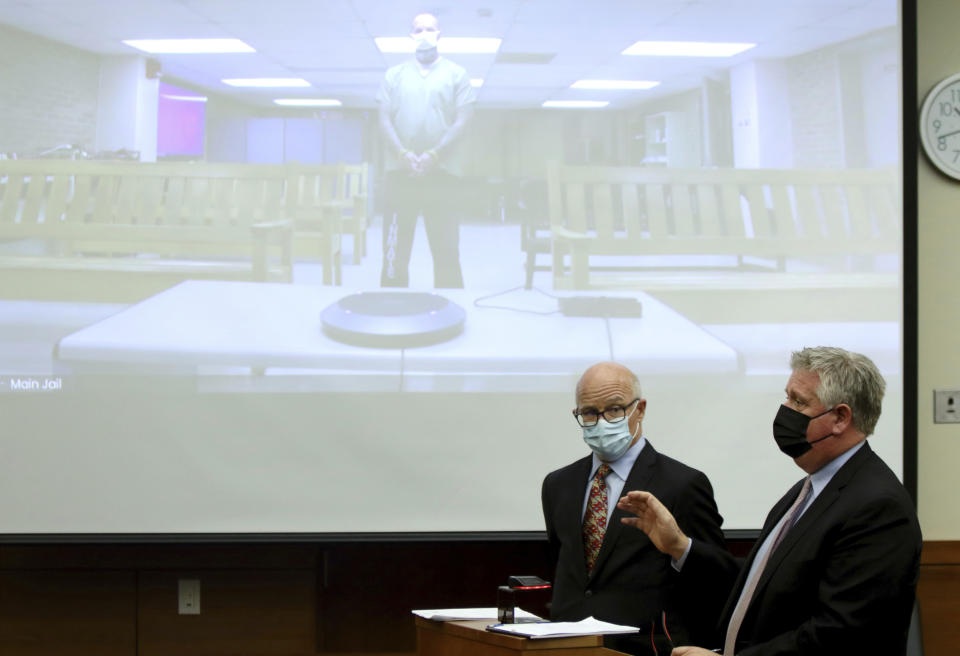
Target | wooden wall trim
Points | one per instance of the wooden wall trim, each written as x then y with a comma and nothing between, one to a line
941,552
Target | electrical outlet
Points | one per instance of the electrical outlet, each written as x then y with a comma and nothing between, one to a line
946,406
188,595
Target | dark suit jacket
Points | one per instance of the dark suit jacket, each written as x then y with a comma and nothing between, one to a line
632,582
843,581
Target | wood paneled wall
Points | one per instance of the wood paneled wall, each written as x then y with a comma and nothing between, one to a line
122,600
296,599
939,595
256,599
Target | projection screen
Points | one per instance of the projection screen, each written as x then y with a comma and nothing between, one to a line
707,215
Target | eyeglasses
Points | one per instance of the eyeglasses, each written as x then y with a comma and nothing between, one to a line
613,414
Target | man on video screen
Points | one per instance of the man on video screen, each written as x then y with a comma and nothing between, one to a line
424,105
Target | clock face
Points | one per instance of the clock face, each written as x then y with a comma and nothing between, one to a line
940,126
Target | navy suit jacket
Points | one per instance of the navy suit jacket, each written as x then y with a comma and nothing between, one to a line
843,581
632,582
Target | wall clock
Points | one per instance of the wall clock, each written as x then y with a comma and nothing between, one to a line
940,126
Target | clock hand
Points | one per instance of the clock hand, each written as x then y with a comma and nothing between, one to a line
948,134
956,110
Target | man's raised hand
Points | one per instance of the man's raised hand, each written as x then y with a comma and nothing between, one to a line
653,518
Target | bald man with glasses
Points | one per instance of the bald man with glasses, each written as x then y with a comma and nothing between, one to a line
602,570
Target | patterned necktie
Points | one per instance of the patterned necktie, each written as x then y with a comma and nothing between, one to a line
595,518
751,585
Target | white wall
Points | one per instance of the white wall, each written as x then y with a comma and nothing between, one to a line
48,94
760,110
127,107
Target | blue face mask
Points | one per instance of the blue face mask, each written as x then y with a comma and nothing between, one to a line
609,441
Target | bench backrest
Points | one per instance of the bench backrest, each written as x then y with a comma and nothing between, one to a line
659,209
169,208
313,185
45,192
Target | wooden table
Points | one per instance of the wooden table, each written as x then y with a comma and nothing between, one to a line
470,638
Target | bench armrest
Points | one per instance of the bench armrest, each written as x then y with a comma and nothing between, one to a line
270,226
272,231
563,233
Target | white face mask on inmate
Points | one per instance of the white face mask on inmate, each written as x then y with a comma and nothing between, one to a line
426,40
609,440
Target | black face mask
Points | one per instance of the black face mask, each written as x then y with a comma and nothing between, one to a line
790,431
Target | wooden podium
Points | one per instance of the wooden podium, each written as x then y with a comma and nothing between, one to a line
470,638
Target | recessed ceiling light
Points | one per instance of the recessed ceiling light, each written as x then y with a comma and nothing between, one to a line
448,45
308,102
266,82
687,48
188,46
170,96
576,104
476,82
614,84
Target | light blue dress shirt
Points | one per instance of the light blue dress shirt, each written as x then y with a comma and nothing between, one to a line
616,479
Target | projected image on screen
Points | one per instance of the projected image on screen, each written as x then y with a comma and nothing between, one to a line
401,241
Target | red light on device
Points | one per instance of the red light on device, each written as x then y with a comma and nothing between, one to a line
527,583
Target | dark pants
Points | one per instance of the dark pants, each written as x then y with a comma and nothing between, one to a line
434,196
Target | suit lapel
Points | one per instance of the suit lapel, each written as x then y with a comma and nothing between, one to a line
808,520
574,488
638,479
577,492
773,518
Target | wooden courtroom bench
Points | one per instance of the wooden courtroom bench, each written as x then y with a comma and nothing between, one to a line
93,230
340,187
771,229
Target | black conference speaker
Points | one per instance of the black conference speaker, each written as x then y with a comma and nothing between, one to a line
393,319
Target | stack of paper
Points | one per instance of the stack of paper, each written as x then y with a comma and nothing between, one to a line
453,614
589,626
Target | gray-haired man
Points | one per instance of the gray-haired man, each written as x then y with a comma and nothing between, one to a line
835,568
